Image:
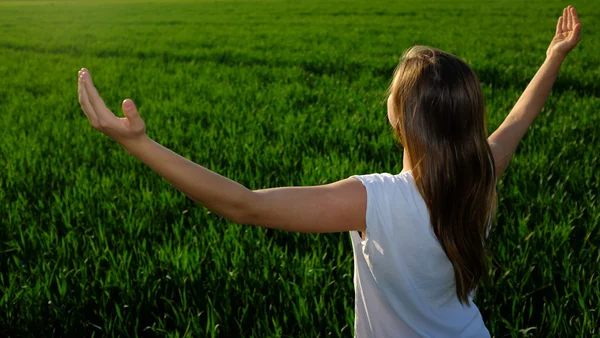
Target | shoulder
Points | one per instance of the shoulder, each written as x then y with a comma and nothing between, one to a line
384,179
388,203
384,190
390,196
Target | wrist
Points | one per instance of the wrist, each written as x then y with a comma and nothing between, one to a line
134,146
555,57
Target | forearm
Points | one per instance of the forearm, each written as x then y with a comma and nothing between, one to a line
217,193
506,138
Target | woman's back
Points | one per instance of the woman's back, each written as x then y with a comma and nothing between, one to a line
404,282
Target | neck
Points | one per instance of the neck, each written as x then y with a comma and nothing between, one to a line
406,166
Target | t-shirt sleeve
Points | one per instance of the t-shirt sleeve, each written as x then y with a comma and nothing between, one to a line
378,204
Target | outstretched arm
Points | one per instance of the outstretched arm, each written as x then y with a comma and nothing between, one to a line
335,207
506,138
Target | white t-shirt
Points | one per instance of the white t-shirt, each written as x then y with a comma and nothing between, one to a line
404,282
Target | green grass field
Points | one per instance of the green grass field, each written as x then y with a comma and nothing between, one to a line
270,93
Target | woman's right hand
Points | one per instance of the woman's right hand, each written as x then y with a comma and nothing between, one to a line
126,130
568,34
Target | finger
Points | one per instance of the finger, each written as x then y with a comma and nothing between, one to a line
92,93
559,25
565,18
131,112
99,107
575,16
576,34
569,19
85,103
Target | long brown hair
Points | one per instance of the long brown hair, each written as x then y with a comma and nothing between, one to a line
439,117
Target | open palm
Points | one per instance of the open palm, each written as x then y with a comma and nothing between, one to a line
121,129
568,33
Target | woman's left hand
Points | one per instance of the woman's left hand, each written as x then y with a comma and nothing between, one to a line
124,130
568,33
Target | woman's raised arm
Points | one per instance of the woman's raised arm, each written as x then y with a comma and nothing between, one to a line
506,138
335,207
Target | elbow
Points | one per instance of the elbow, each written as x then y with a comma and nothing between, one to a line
501,158
244,211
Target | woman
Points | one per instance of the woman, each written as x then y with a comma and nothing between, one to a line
419,237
